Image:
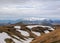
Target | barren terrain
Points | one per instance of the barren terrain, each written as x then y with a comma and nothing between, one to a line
52,37
15,33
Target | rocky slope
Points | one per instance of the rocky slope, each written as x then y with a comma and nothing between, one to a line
53,37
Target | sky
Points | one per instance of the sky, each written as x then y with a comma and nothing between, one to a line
17,9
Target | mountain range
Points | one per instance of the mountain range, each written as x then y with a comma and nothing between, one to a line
31,20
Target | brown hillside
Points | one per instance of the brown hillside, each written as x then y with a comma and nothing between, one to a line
53,37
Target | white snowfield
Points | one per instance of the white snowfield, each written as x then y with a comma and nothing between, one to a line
34,19
31,26
5,35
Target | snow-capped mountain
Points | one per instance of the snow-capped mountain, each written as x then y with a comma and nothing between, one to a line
33,19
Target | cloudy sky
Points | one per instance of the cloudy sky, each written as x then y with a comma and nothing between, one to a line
16,9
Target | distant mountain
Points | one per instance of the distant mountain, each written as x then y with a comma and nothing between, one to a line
6,22
56,21
36,20
31,20
43,21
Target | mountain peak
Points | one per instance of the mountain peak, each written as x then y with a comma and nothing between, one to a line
34,19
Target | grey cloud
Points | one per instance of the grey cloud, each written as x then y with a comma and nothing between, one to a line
12,2
28,8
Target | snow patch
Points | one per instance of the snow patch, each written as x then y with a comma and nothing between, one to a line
17,27
37,33
46,31
34,19
4,35
24,33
